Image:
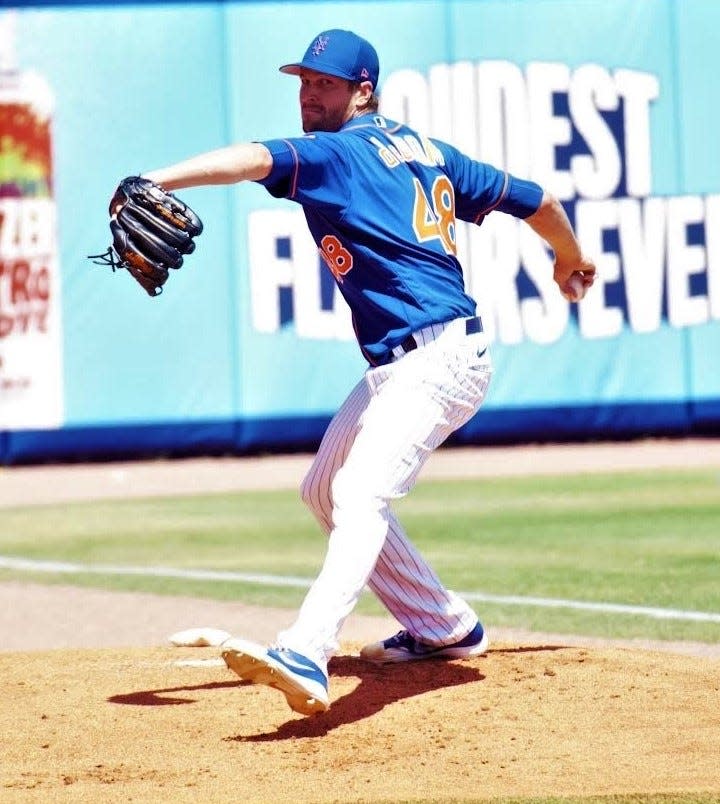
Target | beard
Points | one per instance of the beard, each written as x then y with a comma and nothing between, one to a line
316,118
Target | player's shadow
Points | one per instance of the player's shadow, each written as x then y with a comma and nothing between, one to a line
379,686
163,697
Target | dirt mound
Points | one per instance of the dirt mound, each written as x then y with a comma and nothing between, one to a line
166,723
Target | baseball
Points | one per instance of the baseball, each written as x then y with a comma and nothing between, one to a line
576,288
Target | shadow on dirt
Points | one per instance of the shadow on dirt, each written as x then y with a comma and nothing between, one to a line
381,685
162,698
378,687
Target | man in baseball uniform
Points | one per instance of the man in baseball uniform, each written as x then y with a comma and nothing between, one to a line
381,202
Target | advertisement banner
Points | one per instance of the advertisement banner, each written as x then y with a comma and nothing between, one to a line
596,119
608,105
30,319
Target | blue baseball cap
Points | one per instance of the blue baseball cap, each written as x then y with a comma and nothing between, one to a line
340,53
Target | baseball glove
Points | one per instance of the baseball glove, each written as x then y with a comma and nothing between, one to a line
151,231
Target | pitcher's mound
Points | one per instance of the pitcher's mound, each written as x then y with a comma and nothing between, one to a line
160,724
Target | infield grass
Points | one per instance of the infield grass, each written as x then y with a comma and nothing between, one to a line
638,538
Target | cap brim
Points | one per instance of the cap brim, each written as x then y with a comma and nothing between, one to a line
296,69
291,69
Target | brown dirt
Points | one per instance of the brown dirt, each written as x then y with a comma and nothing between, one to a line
97,708
132,725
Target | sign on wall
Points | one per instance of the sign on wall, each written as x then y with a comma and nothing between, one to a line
257,344
30,329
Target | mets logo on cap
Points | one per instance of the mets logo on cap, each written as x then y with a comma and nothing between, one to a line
320,44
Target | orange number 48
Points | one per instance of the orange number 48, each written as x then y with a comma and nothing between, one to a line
434,218
338,259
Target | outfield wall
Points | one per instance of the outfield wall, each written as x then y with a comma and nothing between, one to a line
610,104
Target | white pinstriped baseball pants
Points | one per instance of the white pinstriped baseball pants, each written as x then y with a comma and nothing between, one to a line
372,453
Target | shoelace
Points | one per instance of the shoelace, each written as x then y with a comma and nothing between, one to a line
403,639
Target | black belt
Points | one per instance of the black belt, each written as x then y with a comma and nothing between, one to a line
472,327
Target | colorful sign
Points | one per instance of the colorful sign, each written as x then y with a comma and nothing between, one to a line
30,333
609,105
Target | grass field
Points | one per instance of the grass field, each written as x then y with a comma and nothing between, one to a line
637,539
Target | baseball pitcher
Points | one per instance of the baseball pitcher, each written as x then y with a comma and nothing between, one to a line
381,201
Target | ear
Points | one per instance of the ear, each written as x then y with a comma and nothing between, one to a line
363,93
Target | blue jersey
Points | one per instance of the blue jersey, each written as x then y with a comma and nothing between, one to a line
381,203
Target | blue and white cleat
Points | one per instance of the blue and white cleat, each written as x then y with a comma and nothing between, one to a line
403,647
301,681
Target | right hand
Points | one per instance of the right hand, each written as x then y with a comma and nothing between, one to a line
583,270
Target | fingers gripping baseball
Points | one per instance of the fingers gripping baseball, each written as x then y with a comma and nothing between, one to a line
574,289
575,281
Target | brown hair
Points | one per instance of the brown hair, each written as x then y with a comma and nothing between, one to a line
373,101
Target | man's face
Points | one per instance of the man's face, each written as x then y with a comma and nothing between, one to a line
326,102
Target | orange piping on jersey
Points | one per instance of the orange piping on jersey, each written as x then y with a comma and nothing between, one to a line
497,203
293,187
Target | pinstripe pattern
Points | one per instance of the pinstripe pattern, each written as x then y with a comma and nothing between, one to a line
372,453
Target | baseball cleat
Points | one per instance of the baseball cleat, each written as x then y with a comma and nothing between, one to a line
403,647
300,680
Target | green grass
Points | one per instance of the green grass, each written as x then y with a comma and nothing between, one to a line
648,539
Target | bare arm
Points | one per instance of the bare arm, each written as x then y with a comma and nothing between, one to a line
242,162
551,223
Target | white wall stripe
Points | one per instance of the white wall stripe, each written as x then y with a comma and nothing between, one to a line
32,565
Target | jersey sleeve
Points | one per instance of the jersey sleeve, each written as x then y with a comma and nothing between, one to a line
310,170
481,188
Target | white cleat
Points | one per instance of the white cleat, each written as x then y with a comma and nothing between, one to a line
403,647
302,682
